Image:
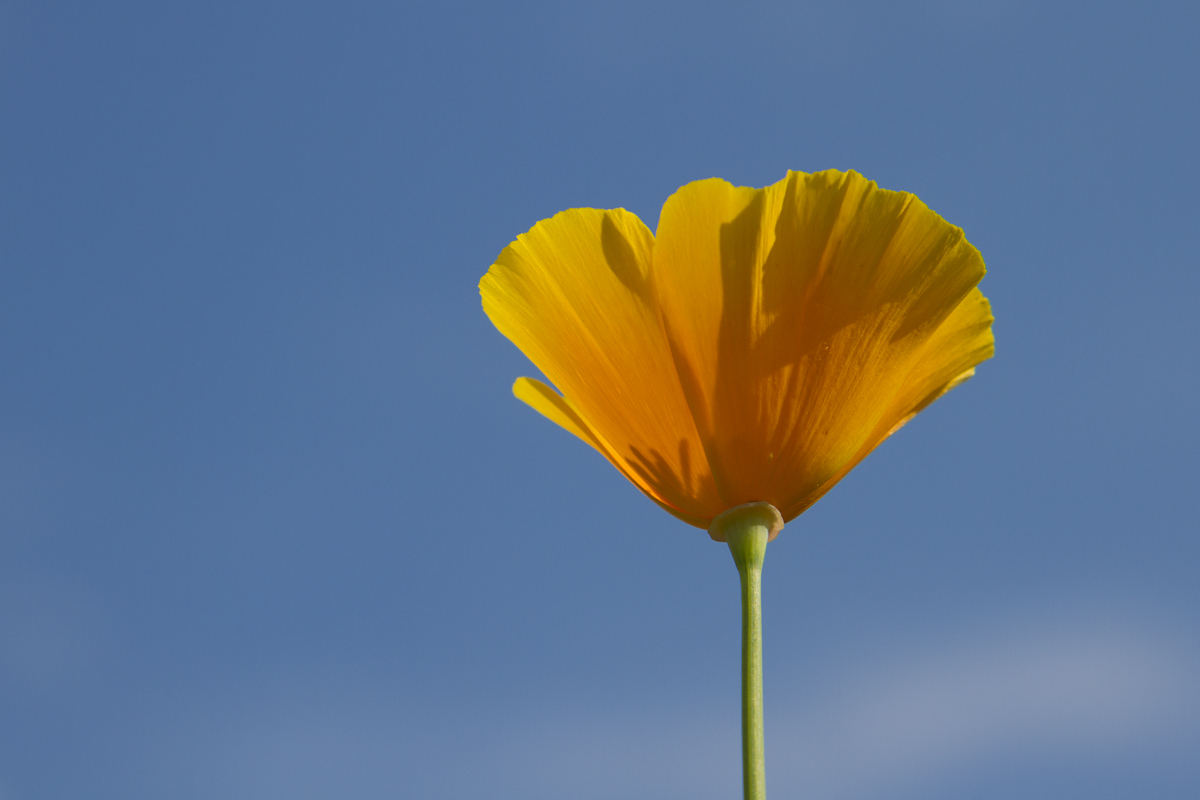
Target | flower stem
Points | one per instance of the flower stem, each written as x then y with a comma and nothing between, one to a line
747,529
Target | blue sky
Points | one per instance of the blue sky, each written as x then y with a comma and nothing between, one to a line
272,525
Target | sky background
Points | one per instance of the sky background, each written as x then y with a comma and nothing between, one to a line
273,526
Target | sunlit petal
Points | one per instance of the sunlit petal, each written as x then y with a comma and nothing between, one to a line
574,294
550,404
799,317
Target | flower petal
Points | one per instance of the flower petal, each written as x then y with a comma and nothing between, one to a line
799,317
575,295
550,404
949,357
947,360
554,407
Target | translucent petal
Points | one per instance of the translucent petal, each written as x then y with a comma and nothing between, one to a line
575,295
947,360
552,406
803,322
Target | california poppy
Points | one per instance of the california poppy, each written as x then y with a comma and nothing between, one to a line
752,351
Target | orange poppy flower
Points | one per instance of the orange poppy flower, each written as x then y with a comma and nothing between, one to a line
755,348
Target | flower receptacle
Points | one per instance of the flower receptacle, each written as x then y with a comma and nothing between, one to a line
745,525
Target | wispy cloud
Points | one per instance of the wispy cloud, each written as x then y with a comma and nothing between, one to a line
1002,698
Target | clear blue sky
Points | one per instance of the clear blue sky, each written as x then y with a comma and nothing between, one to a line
272,525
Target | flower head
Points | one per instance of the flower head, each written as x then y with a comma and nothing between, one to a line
754,349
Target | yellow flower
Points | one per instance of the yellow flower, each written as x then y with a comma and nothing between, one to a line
757,347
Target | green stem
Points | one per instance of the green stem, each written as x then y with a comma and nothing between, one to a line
747,529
